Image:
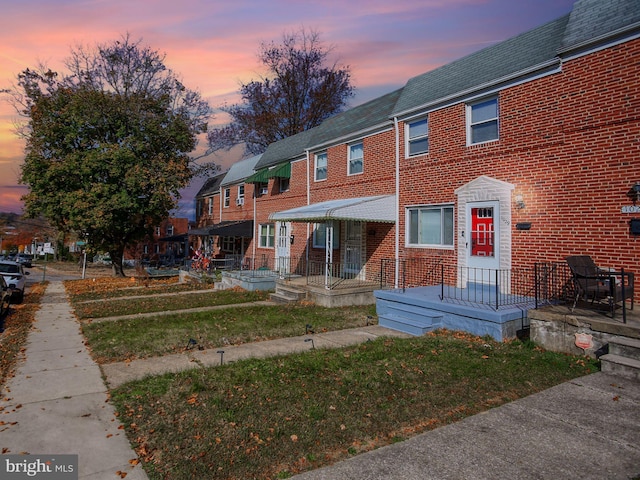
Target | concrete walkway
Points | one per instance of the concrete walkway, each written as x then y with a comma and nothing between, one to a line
121,372
57,402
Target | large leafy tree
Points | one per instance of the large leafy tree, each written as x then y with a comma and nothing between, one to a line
107,145
299,90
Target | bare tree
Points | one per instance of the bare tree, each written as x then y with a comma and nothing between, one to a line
297,93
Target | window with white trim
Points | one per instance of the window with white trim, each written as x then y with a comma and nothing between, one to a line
169,230
210,200
320,235
285,183
482,121
267,235
321,166
227,197
417,134
356,158
430,226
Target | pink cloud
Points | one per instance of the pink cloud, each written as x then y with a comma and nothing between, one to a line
213,45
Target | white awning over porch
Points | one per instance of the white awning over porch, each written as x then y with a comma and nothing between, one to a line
381,208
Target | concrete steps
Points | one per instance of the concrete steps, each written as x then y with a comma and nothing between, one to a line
623,358
286,293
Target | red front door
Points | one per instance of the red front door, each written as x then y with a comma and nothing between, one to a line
482,232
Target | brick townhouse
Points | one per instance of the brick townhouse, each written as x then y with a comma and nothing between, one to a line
525,151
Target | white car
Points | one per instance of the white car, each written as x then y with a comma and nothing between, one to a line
14,276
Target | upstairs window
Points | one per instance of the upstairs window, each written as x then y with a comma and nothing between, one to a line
210,210
227,197
430,226
169,230
284,184
482,121
417,137
321,167
356,158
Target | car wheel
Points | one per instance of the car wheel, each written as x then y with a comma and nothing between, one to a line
20,297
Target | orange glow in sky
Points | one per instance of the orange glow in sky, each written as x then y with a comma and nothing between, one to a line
212,44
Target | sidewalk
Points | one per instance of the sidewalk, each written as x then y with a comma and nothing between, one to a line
57,402
587,428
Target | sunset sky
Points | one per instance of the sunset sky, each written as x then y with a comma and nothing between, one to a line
212,44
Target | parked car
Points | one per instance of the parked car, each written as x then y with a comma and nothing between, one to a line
24,259
5,301
15,277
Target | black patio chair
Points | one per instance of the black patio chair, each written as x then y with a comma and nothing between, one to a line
597,284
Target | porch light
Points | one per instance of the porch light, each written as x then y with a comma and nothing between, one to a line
520,202
634,193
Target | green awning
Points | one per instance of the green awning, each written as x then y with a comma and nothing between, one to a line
282,171
261,176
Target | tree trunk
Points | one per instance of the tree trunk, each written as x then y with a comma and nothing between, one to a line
116,261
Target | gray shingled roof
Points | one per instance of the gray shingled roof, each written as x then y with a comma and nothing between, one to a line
372,115
240,170
590,20
517,54
286,149
536,50
211,186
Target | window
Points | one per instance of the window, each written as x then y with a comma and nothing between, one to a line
417,137
356,158
240,198
227,196
284,184
320,235
227,243
482,121
210,200
157,231
321,166
262,188
430,226
169,230
267,235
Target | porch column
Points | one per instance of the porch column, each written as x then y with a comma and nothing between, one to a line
328,254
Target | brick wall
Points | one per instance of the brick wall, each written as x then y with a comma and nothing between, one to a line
570,145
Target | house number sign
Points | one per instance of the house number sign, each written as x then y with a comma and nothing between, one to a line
631,209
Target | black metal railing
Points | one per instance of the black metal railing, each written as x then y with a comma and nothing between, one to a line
492,288
337,275
544,283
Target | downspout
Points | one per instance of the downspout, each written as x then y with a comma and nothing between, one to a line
397,236
255,227
308,203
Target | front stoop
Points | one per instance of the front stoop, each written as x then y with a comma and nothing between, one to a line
286,293
623,358
417,326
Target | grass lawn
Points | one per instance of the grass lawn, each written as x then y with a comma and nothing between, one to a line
128,339
272,418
